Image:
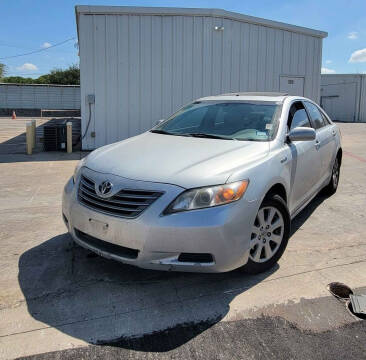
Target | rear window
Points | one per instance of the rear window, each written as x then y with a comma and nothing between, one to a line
315,115
325,119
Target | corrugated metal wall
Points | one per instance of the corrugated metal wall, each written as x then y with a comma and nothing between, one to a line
343,96
142,68
14,96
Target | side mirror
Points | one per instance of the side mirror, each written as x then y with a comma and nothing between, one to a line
302,134
159,121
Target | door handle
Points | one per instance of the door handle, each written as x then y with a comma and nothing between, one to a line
334,133
284,159
317,144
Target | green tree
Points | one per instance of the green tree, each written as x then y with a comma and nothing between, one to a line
69,76
2,70
17,80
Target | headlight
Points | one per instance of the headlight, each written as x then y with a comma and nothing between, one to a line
208,197
78,167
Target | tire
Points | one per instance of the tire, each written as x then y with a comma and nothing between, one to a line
332,186
269,238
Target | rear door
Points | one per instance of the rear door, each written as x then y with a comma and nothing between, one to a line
306,160
325,140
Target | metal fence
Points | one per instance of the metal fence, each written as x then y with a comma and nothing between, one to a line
52,97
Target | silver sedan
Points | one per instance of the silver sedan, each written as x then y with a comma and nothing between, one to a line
212,188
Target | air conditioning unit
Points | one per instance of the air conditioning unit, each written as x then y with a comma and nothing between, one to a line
54,137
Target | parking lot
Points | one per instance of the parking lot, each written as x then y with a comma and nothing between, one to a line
58,297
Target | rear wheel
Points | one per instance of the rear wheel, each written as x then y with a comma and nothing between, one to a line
270,233
331,188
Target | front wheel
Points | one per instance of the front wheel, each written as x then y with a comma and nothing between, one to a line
270,234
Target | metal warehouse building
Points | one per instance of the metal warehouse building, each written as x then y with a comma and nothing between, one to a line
141,64
343,96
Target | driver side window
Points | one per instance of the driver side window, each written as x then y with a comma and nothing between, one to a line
298,116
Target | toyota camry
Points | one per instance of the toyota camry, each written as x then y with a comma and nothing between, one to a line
212,188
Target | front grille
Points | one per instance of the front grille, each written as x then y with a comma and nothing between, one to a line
105,246
126,203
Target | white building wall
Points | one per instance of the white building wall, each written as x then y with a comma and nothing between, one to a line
54,97
343,96
143,67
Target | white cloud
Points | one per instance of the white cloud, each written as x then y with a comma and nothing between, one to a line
46,45
352,35
27,67
327,71
328,61
358,56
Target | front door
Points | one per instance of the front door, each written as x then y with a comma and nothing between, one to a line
306,160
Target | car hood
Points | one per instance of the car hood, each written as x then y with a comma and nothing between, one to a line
184,161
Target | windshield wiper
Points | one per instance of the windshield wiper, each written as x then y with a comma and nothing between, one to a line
199,135
157,131
251,139
209,136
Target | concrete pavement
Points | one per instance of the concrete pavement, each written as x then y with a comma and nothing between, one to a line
56,296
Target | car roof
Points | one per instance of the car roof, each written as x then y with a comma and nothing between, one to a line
253,96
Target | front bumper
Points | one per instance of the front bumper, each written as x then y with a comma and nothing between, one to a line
222,231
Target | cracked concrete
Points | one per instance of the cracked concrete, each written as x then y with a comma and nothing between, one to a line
57,296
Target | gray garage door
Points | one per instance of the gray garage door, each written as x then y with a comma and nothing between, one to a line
340,101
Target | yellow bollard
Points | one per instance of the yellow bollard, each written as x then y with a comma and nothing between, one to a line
29,137
34,133
69,137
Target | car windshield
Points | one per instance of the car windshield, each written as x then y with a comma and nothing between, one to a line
235,120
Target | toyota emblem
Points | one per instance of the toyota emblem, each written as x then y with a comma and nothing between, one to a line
105,188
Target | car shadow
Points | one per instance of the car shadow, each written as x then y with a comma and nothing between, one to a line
105,302
108,303
301,218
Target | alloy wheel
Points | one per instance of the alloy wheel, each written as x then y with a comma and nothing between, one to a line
267,234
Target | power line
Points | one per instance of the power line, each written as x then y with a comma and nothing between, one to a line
37,51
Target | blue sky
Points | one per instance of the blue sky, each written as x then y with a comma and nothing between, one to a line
28,25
